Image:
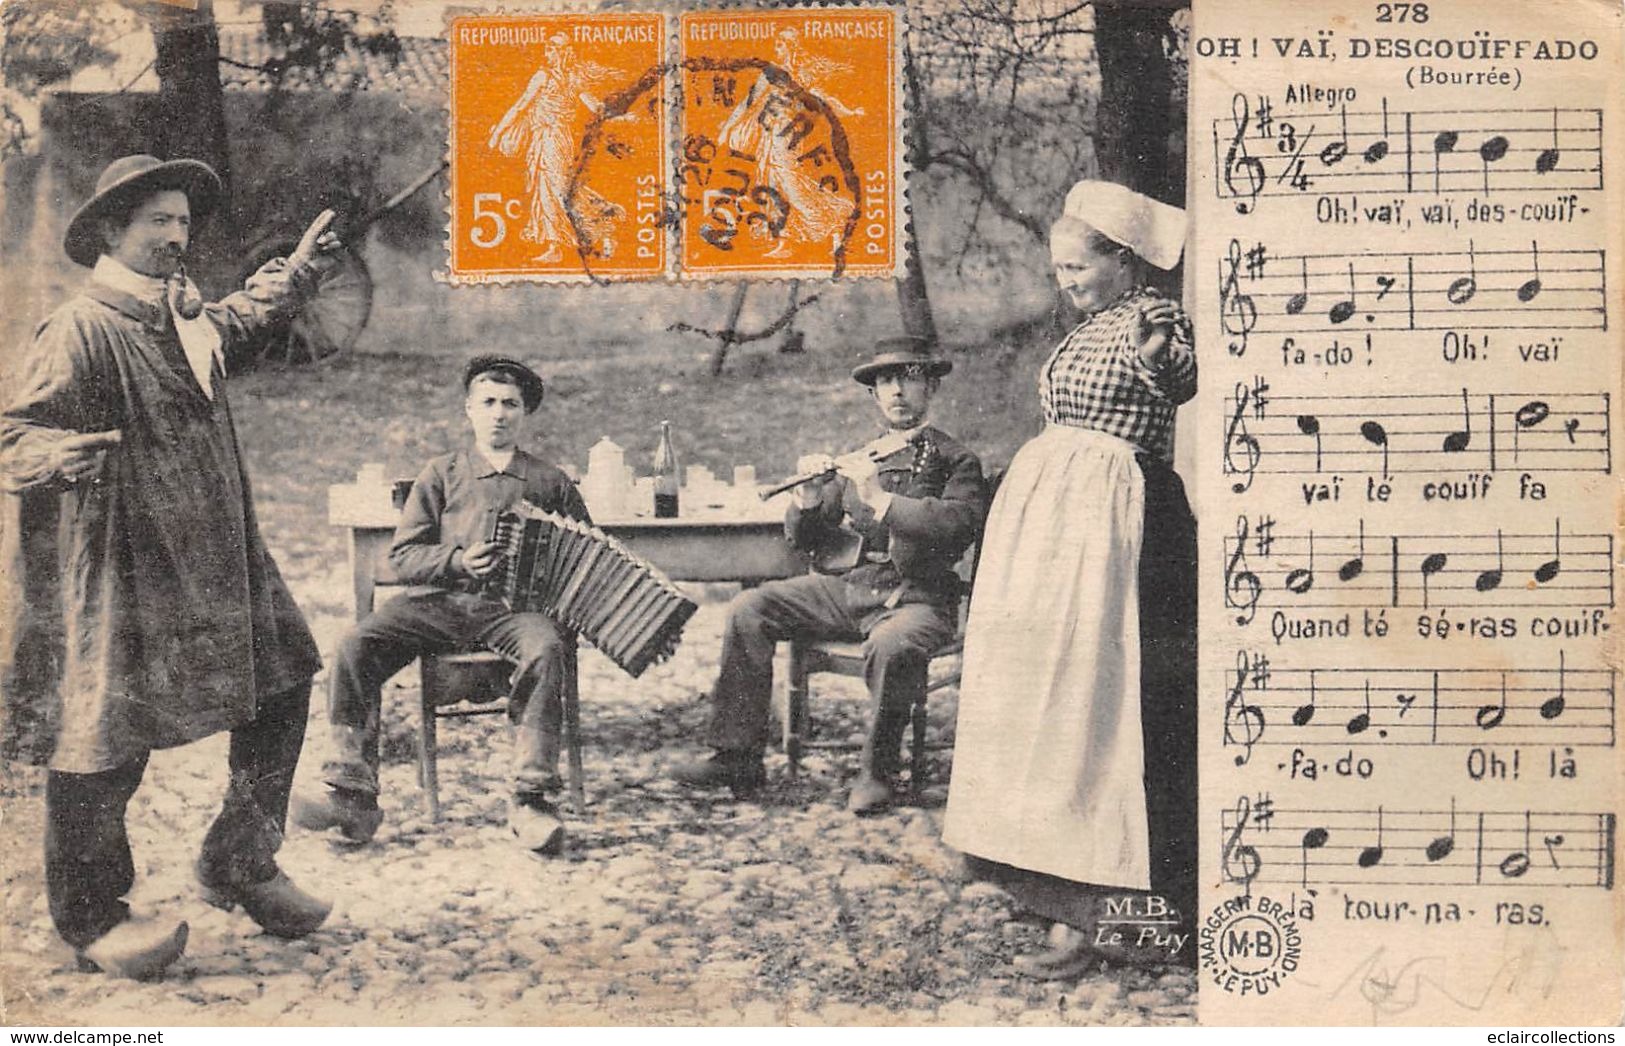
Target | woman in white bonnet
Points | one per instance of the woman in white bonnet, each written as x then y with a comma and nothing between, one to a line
1074,778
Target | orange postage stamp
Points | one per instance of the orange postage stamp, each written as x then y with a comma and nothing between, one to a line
788,159
558,134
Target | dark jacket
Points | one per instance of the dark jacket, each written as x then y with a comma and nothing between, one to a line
142,610
939,504
455,501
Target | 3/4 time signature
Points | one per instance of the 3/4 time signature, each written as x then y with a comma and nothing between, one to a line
1261,292
1265,567
1271,705
1263,151
1266,843
1271,433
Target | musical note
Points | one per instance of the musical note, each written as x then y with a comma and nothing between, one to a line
1295,304
1239,165
1354,567
1459,440
1309,425
1462,289
1241,863
1333,153
1431,565
1551,842
1240,313
1371,856
1379,148
1546,162
1488,717
1548,570
1361,723
1552,707
1444,142
1341,312
1441,847
1314,839
1528,290
1305,713
1376,435
1236,435
1242,587
1490,580
1302,579
1491,151
1238,714
1514,865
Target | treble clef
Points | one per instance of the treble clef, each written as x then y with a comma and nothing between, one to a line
1241,586
1236,436
1240,314
1243,723
1239,165
1240,863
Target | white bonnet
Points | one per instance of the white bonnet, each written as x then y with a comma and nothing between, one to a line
1151,229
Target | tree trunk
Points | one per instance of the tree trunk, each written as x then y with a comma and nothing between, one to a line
189,91
913,299
194,126
1132,122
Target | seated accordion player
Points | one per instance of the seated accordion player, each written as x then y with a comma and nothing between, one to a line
587,581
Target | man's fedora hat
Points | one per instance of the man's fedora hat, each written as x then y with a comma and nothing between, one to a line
904,351
530,383
127,180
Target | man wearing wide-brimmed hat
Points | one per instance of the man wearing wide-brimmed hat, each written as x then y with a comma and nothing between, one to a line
139,608
888,534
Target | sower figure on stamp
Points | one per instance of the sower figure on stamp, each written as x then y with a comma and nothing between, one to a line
903,522
443,551
139,608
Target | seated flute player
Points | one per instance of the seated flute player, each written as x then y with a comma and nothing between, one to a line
887,534
443,553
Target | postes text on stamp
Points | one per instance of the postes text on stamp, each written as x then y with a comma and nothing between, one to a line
558,134
788,154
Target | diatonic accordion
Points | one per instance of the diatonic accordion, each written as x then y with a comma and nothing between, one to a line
587,581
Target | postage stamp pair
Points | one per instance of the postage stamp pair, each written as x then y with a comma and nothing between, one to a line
636,145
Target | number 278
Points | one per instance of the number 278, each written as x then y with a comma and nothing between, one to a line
1402,12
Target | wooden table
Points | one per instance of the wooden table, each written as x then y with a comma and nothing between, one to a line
699,549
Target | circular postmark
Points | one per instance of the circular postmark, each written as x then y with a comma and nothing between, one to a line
1248,945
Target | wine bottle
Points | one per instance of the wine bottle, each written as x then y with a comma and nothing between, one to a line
666,475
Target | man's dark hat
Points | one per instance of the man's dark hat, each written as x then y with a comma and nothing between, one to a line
530,383
129,179
905,351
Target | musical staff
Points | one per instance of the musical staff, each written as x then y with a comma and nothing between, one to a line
1315,570
1262,151
1269,433
1267,843
1509,289
1271,705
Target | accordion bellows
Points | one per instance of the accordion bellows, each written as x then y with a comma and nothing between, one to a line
587,581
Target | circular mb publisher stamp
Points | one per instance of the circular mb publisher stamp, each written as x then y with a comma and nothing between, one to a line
1249,945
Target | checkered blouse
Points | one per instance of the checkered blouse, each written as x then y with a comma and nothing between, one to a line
1095,378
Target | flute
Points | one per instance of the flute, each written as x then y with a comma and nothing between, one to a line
882,448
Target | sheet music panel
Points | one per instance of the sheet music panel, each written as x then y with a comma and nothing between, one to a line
1407,270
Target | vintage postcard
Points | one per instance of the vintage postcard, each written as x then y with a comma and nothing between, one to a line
778,514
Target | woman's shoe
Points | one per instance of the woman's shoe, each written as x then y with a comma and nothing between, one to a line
1069,956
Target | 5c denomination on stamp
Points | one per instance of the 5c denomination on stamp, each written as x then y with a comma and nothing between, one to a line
558,134
788,155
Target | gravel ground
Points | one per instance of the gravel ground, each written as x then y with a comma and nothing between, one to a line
667,907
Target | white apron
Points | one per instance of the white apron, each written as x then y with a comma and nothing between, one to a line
1048,770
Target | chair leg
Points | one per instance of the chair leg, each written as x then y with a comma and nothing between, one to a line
795,706
428,754
572,739
916,748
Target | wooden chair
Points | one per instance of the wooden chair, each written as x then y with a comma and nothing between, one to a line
479,678
808,657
